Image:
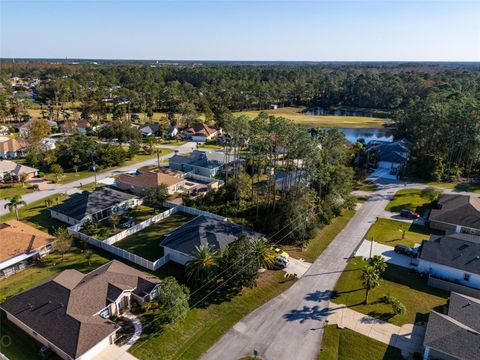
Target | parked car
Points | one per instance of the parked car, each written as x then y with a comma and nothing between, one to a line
280,263
409,214
126,223
405,250
280,252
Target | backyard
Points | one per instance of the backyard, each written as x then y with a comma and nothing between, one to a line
346,344
146,243
393,232
410,199
408,287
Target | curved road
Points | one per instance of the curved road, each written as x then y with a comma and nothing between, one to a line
73,186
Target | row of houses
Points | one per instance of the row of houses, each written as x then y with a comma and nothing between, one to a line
198,132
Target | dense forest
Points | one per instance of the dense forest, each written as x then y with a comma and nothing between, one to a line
435,106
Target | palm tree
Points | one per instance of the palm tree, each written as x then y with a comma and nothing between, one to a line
264,254
378,263
370,279
203,265
13,204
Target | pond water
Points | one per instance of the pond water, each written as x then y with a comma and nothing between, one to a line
368,134
343,112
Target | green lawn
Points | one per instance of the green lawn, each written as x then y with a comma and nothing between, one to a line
409,199
38,215
390,232
173,142
321,239
9,190
346,344
297,115
203,326
407,286
470,187
146,243
210,147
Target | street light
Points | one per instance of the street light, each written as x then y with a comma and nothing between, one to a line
94,168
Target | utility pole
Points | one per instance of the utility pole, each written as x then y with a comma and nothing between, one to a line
94,168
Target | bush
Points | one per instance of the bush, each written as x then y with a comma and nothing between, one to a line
431,193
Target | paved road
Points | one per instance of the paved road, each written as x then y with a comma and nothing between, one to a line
73,186
290,325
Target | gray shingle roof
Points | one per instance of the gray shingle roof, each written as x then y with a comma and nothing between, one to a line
78,206
205,230
460,251
455,209
206,159
456,334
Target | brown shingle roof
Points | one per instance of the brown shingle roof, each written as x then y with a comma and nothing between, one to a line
10,145
17,238
63,310
461,210
149,179
200,128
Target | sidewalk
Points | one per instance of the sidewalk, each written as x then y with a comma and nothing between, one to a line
138,331
408,338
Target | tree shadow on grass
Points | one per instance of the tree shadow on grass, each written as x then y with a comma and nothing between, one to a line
384,316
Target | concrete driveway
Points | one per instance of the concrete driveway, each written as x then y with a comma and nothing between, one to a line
296,267
385,251
114,352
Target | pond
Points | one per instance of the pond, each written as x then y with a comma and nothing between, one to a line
345,112
368,134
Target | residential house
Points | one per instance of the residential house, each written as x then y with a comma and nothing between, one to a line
70,313
144,180
11,148
48,144
172,132
456,334
98,205
389,155
202,230
200,132
21,245
451,261
83,126
205,163
25,128
457,213
16,170
285,180
4,130
148,130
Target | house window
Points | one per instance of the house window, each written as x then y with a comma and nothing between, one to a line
466,277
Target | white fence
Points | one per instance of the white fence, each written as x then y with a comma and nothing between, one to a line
106,245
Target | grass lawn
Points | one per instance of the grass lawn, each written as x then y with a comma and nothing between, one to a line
203,326
346,344
296,114
410,199
173,142
210,147
407,286
38,215
389,232
146,243
321,238
9,190
470,187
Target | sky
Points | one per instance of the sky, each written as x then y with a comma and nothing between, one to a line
318,30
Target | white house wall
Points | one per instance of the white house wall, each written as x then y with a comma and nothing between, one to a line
448,272
176,256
